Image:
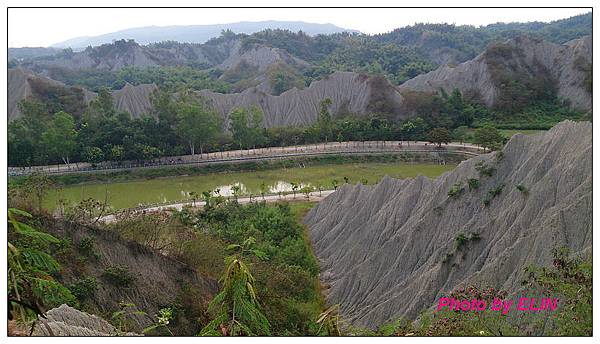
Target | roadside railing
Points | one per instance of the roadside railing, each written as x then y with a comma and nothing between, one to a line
350,147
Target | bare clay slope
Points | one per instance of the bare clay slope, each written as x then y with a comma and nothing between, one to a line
523,55
383,249
350,93
134,100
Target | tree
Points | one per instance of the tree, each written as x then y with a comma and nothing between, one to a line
335,183
295,187
439,136
460,134
116,153
236,308
31,287
324,122
306,190
60,137
263,190
488,137
38,185
246,126
198,124
93,155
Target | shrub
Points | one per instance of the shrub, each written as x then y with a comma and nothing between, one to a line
473,183
462,239
87,248
499,155
455,190
119,276
492,193
84,288
484,169
522,188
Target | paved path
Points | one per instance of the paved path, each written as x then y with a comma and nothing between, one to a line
315,196
270,153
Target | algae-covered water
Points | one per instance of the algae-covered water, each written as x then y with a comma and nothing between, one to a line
133,193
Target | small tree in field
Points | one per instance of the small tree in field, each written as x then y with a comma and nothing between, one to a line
488,137
439,136
295,187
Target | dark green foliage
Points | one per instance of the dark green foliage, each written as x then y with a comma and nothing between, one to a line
439,136
484,169
473,184
488,137
462,239
87,248
522,188
84,289
270,239
492,193
236,309
171,79
119,276
31,286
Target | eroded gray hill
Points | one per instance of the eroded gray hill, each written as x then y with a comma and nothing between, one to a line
563,69
562,65
24,84
350,93
389,250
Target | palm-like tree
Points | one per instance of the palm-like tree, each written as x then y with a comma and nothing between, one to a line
236,308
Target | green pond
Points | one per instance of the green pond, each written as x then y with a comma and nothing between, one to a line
133,193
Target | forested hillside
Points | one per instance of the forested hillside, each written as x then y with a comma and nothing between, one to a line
126,101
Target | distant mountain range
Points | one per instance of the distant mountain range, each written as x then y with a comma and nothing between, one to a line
196,33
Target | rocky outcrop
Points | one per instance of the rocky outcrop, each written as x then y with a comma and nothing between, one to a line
525,55
389,250
65,321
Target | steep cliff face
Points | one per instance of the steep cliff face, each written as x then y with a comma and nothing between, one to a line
389,250
564,64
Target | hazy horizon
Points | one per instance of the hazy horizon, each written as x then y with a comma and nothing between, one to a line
93,22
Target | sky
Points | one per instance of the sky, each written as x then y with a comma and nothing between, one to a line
55,25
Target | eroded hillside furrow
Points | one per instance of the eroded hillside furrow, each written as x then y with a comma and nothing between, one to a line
390,250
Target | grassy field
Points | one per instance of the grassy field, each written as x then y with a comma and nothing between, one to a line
159,190
510,132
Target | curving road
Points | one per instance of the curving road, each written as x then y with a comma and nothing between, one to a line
344,148
314,196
